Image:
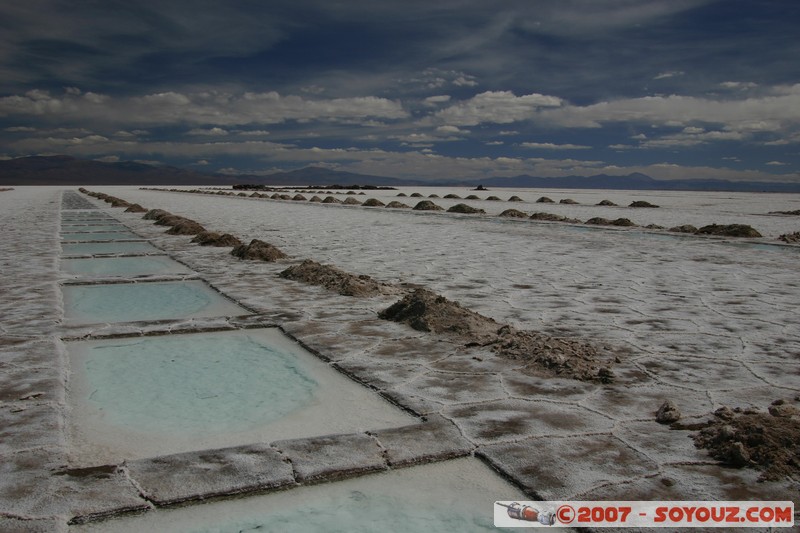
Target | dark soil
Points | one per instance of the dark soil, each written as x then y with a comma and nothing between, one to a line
769,442
427,205
424,310
258,250
513,213
212,238
791,238
729,230
334,279
464,208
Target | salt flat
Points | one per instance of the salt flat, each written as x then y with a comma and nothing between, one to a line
703,322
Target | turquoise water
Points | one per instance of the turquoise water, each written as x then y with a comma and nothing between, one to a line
92,248
99,236
192,383
128,302
123,266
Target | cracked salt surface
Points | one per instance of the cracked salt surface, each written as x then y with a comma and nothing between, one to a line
147,396
128,302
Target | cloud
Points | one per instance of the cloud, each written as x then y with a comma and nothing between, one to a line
669,74
776,163
432,101
552,146
498,107
215,108
212,132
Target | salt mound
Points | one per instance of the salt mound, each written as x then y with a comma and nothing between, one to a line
553,218
545,200
315,199
769,442
598,221
686,228
427,205
169,220
154,214
397,205
568,201
513,213
451,195
641,203
351,201
136,208
331,200
186,227
373,202
118,202
790,237
472,197
606,202
515,199
493,198
424,310
416,195
464,208
333,279
258,250
729,230
299,198
212,238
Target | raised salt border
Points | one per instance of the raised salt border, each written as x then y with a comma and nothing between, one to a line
445,497
148,396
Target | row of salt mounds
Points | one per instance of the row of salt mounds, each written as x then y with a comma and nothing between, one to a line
178,225
212,238
335,279
424,310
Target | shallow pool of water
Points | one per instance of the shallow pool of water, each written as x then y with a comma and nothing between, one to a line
94,248
123,266
456,495
99,226
128,302
149,396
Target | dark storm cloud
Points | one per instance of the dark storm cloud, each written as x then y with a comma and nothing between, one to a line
409,86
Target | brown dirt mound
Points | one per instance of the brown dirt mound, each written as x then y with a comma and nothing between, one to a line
568,201
545,200
451,195
397,205
331,200
427,205
513,213
351,201
373,202
791,238
686,228
433,196
424,310
515,199
464,208
186,227
118,202
169,220
136,208
212,238
607,203
155,214
299,198
493,198
472,197
258,250
729,230
769,442
642,203
333,279
402,195
416,195
598,221
623,222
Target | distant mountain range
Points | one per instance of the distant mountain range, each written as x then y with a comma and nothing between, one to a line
69,171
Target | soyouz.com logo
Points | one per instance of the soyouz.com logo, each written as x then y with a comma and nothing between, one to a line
672,514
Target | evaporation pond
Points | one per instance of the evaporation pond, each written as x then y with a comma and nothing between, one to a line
455,495
99,236
129,302
155,395
80,228
123,266
94,248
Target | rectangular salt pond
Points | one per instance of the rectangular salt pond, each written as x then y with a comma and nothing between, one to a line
99,236
149,396
95,248
446,497
129,302
123,266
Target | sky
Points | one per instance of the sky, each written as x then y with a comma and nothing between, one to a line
675,89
